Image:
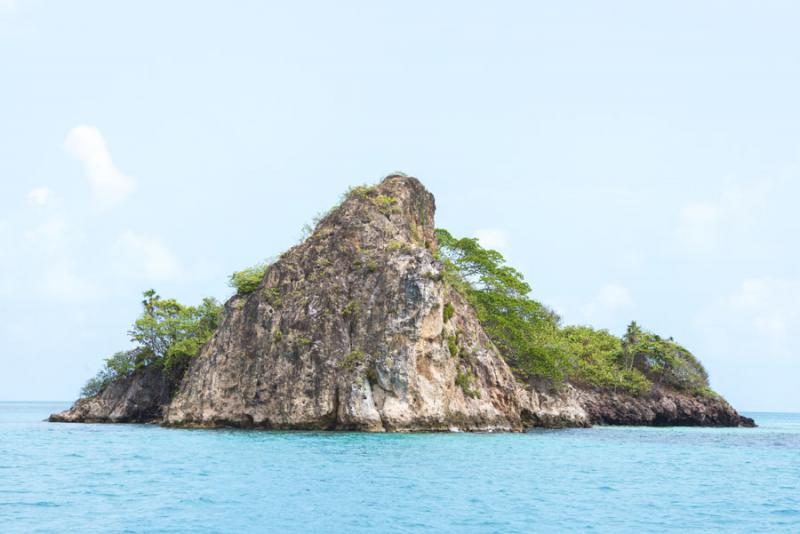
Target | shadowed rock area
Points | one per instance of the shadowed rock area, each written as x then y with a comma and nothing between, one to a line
349,331
661,407
138,398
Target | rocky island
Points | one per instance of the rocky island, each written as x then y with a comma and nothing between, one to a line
379,322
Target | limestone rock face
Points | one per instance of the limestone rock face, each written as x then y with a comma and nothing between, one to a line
541,407
348,331
138,398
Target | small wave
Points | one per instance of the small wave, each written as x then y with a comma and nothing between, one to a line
786,512
36,504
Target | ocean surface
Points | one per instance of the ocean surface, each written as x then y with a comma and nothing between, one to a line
143,478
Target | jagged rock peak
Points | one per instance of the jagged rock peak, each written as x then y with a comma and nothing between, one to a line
347,331
398,209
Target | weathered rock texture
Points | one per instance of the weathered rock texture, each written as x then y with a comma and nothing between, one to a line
348,331
661,407
138,398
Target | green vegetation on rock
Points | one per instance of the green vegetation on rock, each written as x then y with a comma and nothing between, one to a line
597,360
452,345
248,280
528,334
447,312
532,340
466,381
170,333
167,333
353,359
663,361
119,365
273,296
525,332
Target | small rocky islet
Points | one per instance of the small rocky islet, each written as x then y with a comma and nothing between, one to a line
364,326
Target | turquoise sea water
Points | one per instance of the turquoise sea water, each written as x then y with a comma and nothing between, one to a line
134,478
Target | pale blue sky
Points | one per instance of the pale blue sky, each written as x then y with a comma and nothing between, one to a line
633,160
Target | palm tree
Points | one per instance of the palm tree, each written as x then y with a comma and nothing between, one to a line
629,342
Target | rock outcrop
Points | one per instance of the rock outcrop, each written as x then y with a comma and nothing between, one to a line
355,329
661,407
348,331
138,398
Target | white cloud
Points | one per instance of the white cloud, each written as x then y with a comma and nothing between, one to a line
757,321
40,196
705,225
6,251
145,257
51,235
493,239
748,339
62,280
51,246
769,305
109,185
607,303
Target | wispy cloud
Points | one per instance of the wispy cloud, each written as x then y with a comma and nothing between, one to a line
769,305
749,337
706,225
145,257
40,196
51,245
757,320
109,185
61,279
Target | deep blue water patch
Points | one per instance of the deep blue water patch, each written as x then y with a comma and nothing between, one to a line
143,478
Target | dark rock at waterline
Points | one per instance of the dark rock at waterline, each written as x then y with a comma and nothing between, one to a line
138,398
661,407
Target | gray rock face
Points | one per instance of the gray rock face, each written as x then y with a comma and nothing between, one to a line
348,331
138,398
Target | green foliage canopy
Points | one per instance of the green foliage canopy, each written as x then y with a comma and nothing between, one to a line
170,332
597,360
531,339
525,331
664,361
167,333
117,366
248,280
